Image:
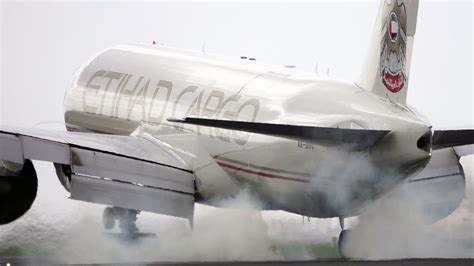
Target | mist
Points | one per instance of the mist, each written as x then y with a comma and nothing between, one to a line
393,229
76,235
63,230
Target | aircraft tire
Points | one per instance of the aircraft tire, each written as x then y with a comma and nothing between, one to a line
108,218
343,244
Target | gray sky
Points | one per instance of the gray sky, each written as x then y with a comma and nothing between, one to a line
44,43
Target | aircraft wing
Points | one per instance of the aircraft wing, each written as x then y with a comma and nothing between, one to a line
359,138
132,172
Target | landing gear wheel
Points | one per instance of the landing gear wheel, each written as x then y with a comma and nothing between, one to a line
127,220
343,243
108,218
128,228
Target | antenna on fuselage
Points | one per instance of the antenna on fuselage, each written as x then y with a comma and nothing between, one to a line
316,69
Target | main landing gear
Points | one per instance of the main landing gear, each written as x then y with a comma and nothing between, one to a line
343,240
126,219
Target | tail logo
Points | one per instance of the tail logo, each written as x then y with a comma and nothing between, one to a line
393,43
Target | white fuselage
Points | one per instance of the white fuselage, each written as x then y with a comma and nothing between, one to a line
141,86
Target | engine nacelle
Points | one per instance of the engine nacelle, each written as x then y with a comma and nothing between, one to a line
436,191
18,187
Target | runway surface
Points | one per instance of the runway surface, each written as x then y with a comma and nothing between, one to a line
404,262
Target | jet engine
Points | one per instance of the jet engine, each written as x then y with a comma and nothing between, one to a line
438,190
18,187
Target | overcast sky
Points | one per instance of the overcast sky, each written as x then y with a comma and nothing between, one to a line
44,43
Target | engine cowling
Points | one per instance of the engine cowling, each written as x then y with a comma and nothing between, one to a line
18,190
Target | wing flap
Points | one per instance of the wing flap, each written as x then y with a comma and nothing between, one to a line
324,135
92,163
113,193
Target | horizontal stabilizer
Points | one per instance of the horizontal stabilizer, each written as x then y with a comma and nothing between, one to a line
326,135
452,138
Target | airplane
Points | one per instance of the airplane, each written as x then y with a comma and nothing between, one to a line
157,129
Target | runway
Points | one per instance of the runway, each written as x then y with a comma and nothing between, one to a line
336,262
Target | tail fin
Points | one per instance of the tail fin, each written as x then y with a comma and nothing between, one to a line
387,65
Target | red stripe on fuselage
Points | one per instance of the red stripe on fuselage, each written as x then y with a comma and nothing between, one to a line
241,169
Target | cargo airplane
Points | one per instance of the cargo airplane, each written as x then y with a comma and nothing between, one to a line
156,129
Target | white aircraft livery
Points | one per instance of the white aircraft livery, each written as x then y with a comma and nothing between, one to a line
157,129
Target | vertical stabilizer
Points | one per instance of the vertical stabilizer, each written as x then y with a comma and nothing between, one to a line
387,67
